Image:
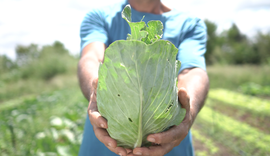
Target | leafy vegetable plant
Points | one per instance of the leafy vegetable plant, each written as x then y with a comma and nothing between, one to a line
137,91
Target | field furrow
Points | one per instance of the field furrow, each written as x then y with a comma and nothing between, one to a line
241,101
254,141
207,142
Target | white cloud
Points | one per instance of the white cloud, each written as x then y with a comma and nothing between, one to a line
254,4
249,15
85,5
43,22
251,21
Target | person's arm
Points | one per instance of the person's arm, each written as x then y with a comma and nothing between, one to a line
196,83
92,56
193,87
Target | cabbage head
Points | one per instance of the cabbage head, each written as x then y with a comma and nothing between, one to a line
137,91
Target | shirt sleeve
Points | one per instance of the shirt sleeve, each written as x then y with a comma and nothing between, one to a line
93,28
193,46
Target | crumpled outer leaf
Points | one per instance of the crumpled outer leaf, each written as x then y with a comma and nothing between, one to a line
137,91
154,31
136,28
139,31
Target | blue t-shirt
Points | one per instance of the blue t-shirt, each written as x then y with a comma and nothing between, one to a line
106,25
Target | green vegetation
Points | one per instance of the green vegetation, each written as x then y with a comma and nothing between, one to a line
208,143
241,134
252,88
42,110
233,47
232,77
250,103
39,90
37,70
47,124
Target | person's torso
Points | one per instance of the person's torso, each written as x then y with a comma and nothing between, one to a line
175,23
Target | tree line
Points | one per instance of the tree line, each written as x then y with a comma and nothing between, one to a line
34,62
233,47
228,47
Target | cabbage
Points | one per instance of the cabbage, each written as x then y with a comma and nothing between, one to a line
137,91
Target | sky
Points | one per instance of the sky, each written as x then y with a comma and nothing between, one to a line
42,22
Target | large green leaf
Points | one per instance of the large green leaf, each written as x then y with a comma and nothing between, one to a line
137,91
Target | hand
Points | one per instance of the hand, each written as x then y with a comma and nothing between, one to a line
164,142
100,125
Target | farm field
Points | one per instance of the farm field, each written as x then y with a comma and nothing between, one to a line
232,122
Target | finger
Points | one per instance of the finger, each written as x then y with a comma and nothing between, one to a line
93,95
94,115
159,150
118,150
110,143
94,83
130,154
184,98
128,150
174,133
97,120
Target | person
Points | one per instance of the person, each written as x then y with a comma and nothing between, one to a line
99,29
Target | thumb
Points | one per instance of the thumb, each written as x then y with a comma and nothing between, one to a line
184,98
95,83
93,96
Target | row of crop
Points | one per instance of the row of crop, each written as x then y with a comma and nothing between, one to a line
15,102
236,135
250,103
49,124
24,131
208,143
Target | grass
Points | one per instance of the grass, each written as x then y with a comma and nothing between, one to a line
240,130
250,103
32,86
241,115
235,122
232,77
39,76
212,148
